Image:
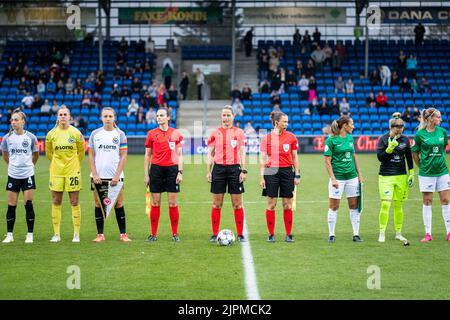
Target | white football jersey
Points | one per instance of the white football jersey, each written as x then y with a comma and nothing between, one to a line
107,146
20,149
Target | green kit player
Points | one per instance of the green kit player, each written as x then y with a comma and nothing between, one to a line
429,154
393,149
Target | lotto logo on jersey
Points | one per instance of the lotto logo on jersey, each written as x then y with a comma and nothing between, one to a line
25,143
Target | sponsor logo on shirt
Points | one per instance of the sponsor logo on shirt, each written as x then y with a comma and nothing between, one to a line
107,147
60,148
19,151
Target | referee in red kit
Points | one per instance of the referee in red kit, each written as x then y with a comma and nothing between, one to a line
163,150
279,172
227,151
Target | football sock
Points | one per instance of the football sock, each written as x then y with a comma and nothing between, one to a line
239,219
355,219
384,214
56,218
29,215
270,219
76,219
427,214
120,217
11,217
215,220
398,215
288,217
174,215
99,220
332,218
446,216
155,212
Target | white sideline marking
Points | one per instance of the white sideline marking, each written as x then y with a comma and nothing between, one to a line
251,286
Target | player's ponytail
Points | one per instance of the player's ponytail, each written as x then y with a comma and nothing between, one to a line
21,114
425,114
337,125
275,117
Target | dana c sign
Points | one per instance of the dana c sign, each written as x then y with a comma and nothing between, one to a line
415,15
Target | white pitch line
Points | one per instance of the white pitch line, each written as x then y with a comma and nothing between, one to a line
251,285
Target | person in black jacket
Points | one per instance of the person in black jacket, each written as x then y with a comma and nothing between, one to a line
393,149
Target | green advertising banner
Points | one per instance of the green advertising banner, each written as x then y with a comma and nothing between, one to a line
171,15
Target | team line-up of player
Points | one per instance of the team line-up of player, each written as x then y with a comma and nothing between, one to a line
226,172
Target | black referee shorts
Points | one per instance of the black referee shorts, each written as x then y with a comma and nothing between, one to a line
279,182
223,176
15,185
163,179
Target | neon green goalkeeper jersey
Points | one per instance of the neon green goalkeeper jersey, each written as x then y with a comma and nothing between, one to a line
341,151
431,148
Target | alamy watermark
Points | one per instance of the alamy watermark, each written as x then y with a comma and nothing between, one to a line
374,280
73,22
74,280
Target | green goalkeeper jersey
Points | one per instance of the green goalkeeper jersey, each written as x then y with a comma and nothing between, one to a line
341,151
431,148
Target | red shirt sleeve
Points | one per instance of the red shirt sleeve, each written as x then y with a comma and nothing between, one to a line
212,139
149,140
294,143
242,138
179,138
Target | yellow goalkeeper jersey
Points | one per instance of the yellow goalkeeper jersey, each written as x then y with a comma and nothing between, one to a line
65,150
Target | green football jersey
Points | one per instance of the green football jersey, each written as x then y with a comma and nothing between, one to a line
341,151
431,148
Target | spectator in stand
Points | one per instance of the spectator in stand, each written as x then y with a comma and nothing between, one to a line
323,107
55,107
411,115
382,100
118,73
326,131
275,83
145,100
316,36
310,69
334,107
162,96
275,98
401,63
375,78
69,87
150,116
291,79
167,73
60,86
319,57
86,101
235,93
238,107
339,85
249,130
40,88
371,102
405,86
306,42
9,73
344,108
313,106
395,79
385,75
312,85
45,109
282,73
328,51
78,87
419,31
184,84
341,51
96,100
81,124
172,93
246,92
415,86
248,42
132,108
424,85
312,94
297,38
125,94
303,85
136,86
263,64
350,86
274,62
200,80
299,68
411,66
140,115
264,86
51,86
27,101
37,103
276,107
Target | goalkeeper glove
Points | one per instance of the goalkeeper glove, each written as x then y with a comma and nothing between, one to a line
392,143
411,178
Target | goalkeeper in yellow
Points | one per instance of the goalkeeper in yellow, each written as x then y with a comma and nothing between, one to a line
393,149
64,147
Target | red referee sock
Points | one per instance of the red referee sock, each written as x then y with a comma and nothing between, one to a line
239,219
155,212
288,217
270,219
215,220
174,216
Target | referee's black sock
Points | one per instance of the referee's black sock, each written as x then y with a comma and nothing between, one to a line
120,216
11,218
99,220
29,215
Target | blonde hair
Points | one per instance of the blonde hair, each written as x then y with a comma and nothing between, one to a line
21,114
228,107
114,112
275,116
337,125
62,107
426,114
396,122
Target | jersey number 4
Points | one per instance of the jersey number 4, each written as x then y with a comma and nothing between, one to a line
73,181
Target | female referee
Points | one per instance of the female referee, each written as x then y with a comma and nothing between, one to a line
108,150
344,173
393,149
227,151
64,147
429,155
21,153
279,172
164,151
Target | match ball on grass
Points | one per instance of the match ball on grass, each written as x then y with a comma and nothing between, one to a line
406,243
225,237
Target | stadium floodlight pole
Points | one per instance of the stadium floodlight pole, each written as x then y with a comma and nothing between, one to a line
233,43
366,67
100,37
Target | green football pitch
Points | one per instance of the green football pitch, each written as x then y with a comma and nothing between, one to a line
310,268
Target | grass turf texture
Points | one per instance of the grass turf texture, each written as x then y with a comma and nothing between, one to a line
310,268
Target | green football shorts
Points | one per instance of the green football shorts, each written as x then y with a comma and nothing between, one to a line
393,187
